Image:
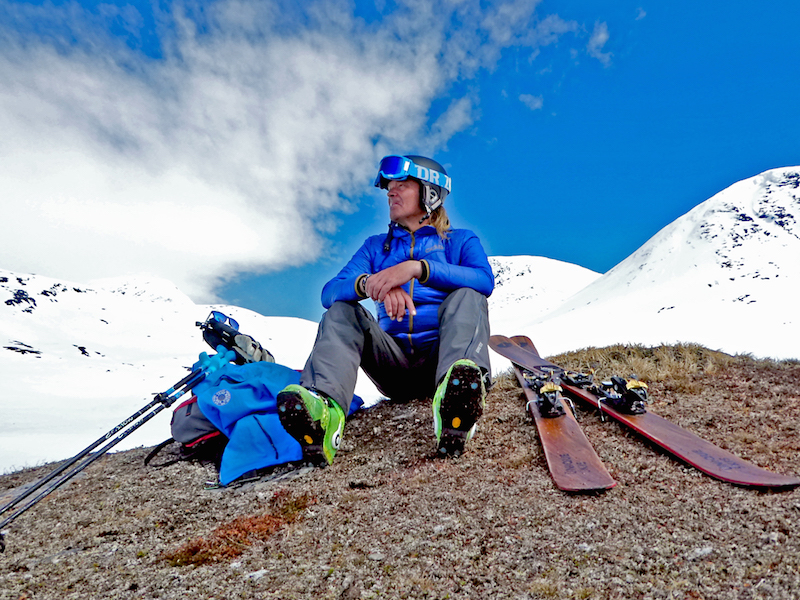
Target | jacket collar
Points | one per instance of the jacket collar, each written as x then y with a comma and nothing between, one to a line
399,230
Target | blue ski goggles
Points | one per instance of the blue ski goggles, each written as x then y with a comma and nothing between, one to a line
224,319
398,168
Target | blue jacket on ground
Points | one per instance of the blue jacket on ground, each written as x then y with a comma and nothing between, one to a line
457,262
241,401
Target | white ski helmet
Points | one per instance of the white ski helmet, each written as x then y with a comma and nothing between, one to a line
434,182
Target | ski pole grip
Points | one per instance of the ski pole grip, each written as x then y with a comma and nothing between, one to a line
222,357
209,364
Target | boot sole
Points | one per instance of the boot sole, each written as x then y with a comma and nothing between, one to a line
298,423
460,409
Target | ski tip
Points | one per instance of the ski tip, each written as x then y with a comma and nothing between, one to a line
775,483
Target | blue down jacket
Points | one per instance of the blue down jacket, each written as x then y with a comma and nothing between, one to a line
457,262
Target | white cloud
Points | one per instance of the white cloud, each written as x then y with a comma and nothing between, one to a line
596,43
532,102
458,117
235,149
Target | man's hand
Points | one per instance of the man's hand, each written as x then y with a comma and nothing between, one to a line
379,284
384,286
396,302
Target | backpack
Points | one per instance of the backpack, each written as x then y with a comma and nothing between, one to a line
232,420
197,437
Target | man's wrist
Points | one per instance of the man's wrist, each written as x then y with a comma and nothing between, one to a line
425,271
361,285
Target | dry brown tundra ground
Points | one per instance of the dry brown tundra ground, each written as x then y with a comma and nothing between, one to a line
387,519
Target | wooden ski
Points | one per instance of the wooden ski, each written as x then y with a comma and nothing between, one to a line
681,443
571,459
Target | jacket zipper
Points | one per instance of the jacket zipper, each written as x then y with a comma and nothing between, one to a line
411,293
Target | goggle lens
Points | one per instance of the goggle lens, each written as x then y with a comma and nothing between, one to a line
224,319
393,167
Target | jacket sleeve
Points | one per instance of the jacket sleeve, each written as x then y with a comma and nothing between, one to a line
467,266
344,285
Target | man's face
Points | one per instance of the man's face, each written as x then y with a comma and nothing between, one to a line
404,207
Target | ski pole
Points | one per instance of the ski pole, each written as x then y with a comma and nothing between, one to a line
159,398
163,400
77,469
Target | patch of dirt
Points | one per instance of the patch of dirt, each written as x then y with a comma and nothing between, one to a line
388,519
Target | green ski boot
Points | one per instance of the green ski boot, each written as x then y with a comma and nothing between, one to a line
315,421
457,406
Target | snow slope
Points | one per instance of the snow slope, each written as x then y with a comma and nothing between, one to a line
77,360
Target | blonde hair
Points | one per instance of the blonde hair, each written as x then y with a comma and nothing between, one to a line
441,222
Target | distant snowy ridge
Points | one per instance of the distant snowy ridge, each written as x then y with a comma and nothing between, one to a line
128,319
527,287
77,359
145,288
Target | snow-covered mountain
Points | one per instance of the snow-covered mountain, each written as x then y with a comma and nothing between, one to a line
75,360
527,287
725,275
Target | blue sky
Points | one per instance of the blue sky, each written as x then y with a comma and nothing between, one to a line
231,146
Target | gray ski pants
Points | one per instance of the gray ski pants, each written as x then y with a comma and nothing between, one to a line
349,337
